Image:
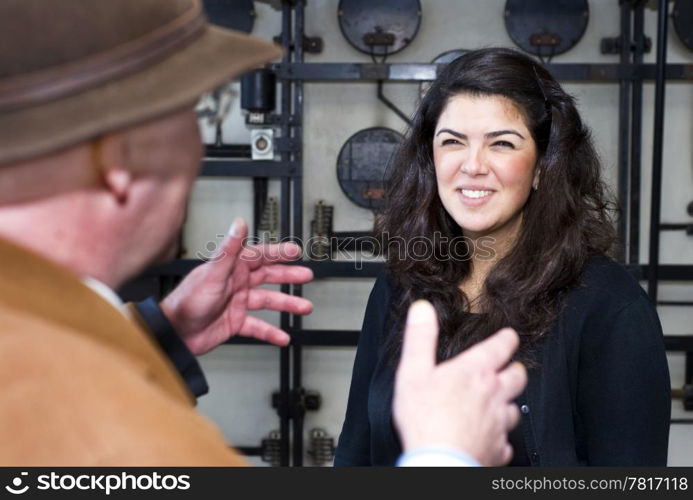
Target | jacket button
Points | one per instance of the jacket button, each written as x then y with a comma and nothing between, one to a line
535,456
524,409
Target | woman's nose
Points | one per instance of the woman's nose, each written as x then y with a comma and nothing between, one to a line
474,163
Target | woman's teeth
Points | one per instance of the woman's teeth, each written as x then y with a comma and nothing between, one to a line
475,194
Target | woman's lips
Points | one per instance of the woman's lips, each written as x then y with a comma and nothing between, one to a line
474,197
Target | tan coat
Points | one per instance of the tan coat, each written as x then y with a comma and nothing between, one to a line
81,385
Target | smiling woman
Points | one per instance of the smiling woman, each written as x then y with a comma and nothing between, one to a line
497,154
484,158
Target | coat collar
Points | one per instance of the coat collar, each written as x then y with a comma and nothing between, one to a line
34,285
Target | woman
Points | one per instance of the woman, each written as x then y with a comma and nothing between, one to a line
498,158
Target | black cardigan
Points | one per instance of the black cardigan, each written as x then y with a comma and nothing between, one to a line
600,394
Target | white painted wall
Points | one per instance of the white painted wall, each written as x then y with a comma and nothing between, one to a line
242,378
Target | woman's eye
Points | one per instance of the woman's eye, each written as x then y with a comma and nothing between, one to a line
449,141
504,144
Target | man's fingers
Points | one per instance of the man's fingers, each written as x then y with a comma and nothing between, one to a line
513,380
506,455
513,417
494,352
225,257
261,255
278,274
260,298
261,330
420,339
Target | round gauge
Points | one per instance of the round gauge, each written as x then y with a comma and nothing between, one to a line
446,57
362,165
546,29
683,21
379,27
232,14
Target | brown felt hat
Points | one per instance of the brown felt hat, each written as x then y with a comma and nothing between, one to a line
71,70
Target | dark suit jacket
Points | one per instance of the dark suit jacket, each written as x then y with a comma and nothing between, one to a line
600,395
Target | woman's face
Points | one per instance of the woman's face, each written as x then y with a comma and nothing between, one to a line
485,159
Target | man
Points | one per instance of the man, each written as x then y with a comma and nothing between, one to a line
99,148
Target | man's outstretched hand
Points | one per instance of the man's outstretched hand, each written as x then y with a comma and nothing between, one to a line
465,402
211,304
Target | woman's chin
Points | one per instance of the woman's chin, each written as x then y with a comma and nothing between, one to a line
475,230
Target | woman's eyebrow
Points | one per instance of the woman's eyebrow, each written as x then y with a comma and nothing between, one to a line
451,132
490,135
498,133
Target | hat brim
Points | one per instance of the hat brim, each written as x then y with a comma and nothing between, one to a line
217,56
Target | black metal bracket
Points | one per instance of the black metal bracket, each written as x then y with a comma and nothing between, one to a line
634,4
300,400
688,397
355,240
421,72
212,167
228,151
391,105
279,119
688,386
686,226
311,44
346,269
287,145
613,45
379,38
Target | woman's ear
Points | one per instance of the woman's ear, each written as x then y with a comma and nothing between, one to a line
535,182
111,160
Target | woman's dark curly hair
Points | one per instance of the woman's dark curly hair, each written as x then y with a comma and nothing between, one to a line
564,222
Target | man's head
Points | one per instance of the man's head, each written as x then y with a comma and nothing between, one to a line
98,142
107,206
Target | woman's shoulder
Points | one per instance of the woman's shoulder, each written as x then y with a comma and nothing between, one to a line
376,320
384,287
606,280
608,303
380,297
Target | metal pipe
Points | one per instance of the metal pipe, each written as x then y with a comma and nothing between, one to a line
284,359
676,227
297,184
260,185
623,136
636,138
425,72
391,105
657,143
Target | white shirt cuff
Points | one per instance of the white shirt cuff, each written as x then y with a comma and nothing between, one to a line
436,456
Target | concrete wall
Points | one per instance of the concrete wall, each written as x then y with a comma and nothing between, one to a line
242,378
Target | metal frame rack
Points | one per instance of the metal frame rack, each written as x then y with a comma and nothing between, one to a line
629,73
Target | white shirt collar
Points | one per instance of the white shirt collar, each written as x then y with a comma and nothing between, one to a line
105,292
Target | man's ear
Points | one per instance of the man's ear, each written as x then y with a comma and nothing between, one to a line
112,161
